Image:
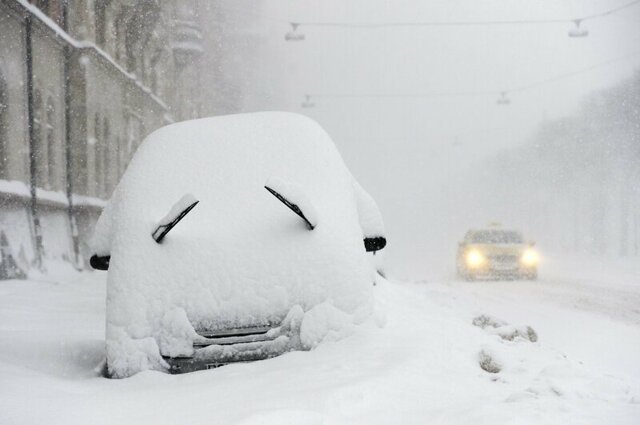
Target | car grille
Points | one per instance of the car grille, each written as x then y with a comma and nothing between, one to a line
504,258
504,261
234,336
215,348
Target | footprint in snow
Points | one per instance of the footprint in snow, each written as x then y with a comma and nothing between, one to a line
494,326
488,362
504,330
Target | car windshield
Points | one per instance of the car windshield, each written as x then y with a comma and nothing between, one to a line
496,236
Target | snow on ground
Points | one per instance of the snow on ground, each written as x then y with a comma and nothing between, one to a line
421,367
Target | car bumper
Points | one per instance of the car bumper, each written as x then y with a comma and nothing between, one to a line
215,356
495,273
242,345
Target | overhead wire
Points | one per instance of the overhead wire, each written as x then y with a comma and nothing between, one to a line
463,23
401,95
478,93
611,11
572,73
466,23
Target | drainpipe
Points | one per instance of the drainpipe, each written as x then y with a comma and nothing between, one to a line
68,140
32,145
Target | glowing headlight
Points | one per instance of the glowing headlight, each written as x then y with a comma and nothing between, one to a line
530,257
474,258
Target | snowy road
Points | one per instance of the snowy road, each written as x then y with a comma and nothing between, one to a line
421,367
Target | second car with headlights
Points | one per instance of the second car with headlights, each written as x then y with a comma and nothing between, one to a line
496,253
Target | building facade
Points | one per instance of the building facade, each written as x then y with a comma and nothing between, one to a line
81,83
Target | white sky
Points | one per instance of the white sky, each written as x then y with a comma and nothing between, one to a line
404,150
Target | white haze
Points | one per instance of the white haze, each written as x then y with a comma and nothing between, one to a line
422,158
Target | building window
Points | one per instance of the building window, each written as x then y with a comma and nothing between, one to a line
120,36
99,10
4,106
53,9
42,5
106,165
51,147
134,133
39,153
119,161
97,158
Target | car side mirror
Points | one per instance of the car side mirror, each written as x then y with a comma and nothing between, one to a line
100,262
375,244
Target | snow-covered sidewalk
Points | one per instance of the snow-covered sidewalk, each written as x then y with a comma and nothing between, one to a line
421,367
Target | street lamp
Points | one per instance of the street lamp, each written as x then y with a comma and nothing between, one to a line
307,103
294,35
503,99
576,31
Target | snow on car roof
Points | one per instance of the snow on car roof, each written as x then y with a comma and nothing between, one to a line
493,235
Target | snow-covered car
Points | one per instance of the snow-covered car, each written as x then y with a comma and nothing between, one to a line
233,239
496,253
